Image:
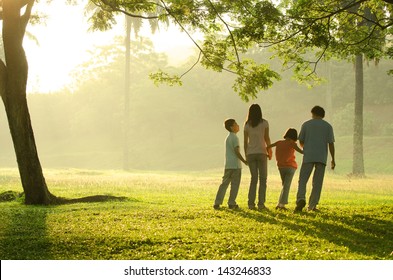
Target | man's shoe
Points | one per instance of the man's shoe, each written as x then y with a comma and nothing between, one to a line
251,207
216,207
300,205
278,207
234,207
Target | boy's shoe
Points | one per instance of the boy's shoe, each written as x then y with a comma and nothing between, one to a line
234,207
300,205
216,207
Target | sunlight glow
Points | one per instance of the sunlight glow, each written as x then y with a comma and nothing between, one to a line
63,43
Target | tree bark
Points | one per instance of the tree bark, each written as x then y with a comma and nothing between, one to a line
358,161
14,81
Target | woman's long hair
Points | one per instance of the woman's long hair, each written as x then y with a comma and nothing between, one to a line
254,115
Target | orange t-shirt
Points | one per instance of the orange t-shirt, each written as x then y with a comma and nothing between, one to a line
285,154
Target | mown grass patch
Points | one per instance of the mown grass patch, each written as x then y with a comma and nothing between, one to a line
170,216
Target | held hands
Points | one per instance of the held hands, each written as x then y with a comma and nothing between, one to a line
269,153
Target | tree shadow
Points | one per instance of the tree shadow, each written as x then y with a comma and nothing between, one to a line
359,233
24,234
23,230
9,196
90,199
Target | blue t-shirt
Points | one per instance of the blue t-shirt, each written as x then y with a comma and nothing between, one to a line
316,134
231,159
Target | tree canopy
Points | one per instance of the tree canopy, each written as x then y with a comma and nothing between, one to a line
301,33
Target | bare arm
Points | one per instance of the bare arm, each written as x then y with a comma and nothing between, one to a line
245,142
239,155
332,153
271,145
298,149
267,140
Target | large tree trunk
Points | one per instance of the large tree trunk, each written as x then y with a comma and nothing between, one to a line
358,161
14,80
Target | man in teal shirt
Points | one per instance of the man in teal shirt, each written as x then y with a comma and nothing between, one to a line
316,137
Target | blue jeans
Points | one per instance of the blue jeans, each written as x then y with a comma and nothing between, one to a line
233,177
286,174
258,169
317,181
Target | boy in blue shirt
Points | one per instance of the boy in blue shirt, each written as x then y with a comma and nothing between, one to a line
233,167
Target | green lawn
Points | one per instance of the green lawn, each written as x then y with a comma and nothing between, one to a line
170,216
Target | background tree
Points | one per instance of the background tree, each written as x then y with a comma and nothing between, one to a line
350,30
132,23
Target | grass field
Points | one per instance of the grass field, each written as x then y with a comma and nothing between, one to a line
170,216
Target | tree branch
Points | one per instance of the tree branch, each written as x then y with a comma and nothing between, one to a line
192,67
26,16
191,38
116,9
229,30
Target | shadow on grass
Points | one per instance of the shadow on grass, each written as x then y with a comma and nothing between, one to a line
15,196
360,233
90,199
23,235
23,230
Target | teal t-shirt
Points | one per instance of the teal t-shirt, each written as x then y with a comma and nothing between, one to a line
316,134
231,160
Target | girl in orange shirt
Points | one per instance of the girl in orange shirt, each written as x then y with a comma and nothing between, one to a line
285,156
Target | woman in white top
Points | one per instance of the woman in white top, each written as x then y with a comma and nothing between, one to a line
256,138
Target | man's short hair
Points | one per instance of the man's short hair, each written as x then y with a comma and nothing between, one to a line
318,111
228,124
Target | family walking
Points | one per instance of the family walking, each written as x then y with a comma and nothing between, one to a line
316,138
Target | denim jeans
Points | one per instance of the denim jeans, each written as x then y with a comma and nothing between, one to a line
286,174
317,181
258,169
233,177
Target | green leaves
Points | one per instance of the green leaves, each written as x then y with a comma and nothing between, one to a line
301,33
252,78
161,77
102,20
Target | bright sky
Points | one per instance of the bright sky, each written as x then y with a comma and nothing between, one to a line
64,41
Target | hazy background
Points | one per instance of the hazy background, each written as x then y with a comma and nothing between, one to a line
182,127
80,124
